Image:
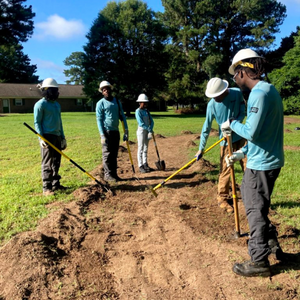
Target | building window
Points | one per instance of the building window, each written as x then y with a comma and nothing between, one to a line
79,102
18,102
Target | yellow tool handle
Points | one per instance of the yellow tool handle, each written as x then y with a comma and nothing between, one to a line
128,148
189,163
65,156
235,203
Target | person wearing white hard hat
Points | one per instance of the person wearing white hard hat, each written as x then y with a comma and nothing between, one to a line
225,103
48,123
108,113
265,157
144,132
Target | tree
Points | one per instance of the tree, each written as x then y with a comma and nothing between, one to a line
16,26
16,23
15,66
209,32
286,79
76,71
126,47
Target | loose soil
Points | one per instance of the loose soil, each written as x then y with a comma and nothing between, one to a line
132,245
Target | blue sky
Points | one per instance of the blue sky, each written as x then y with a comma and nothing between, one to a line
61,26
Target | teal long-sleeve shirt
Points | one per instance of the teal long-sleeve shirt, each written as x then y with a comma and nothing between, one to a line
263,128
107,115
144,119
47,118
232,106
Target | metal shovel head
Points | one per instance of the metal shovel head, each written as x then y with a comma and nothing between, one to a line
160,165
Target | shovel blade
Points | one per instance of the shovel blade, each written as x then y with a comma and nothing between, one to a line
160,165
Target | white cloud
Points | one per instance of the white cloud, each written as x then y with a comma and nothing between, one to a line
59,28
47,69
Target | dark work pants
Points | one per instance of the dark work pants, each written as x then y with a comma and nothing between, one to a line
110,153
257,187
51,162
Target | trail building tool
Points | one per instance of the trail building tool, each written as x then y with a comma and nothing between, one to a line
160,164
131,161
68,158
233,186
188,164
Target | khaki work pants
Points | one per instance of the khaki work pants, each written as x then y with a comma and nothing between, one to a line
224,176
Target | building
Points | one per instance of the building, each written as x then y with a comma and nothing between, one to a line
20,98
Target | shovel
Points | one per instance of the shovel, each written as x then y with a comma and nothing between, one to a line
160,164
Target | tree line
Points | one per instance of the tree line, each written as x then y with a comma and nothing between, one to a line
171,55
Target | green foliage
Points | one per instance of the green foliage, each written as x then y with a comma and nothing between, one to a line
16,23
286,79
15,66
76,71
16,26
126,47
206,34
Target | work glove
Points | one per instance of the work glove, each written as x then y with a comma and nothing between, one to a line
238,155
63,144
150,136
43,144
226,130
198,155
103,139
125,136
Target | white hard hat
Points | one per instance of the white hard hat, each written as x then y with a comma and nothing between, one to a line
104,84
216,87
49,82
241,55
142,98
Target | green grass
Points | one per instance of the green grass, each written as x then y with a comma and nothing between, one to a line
22,203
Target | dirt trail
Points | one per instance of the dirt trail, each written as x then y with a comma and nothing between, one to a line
132,245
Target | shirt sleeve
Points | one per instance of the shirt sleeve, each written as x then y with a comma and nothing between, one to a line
38,116
139,118
255,119
123,115
99,118
206,127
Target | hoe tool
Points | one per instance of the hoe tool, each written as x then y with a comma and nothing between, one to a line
235,203
188,164
160,164
131,161
69,159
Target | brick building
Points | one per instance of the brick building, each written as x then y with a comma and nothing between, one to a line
20,98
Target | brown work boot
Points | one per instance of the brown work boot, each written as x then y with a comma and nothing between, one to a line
225,206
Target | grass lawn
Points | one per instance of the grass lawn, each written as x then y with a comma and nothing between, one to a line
22,203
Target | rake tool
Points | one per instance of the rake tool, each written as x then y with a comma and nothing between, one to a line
235,203
188,164
68,158
131,161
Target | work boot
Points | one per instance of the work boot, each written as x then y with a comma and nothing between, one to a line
143,170
110,178
147,168
48,193
59,187
225,206
276,250
250,269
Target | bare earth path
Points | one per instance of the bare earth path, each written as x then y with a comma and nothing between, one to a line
134,246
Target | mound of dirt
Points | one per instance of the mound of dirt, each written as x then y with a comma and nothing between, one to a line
132,245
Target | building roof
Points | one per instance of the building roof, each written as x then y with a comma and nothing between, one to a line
30,90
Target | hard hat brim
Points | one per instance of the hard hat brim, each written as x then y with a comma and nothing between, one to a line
142,100
100,89
213,95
